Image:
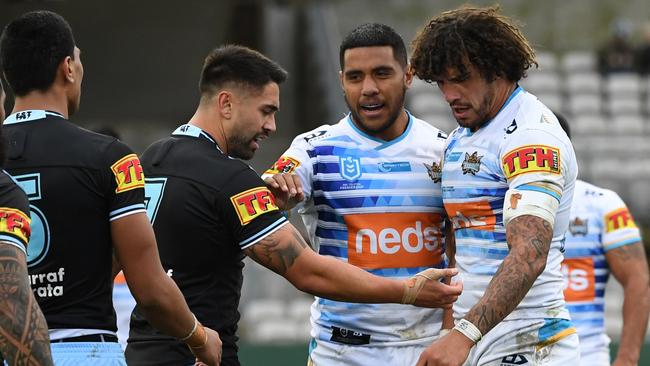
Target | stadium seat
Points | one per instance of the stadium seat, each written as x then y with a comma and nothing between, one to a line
623,105
578,61
551,100
546,61
580,104
542,82
627,124
258,310
628,84
583,83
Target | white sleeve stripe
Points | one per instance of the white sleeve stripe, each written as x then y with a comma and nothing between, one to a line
268,231
113,218
13,241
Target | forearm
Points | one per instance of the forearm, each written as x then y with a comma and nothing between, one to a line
636,305
330,278
529,240
23,329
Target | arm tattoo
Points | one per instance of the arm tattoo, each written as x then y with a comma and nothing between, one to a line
529,239
24,339
279,250
629,252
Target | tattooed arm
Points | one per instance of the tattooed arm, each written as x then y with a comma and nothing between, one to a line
529,239
286,253
24,339
629,266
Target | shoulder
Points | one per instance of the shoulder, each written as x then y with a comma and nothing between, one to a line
312,138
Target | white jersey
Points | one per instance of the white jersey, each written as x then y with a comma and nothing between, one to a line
600,222
377,205
522,147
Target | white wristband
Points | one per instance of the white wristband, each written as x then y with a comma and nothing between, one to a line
469,330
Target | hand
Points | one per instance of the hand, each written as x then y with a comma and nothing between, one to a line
287,190
433,293
449,350
620,362
210,354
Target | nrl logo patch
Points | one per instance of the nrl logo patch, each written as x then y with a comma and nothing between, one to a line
472,163
350,167
579,227
435,171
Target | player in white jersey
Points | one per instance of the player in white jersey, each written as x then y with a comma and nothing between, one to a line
603,238
370,191
507,182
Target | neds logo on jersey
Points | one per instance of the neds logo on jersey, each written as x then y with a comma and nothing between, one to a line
284,164
531,158
15,222
128,173
253,203
619,219
579,279
394,240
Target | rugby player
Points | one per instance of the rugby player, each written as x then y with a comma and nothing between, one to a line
86,196
369,193
508,177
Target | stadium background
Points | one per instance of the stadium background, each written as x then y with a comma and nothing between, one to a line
142,60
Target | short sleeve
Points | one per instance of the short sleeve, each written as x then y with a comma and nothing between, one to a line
248,208
126,183
619,228
296,160
538,160
15,221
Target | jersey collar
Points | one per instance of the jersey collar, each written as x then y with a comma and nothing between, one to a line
194,131
30,115
383,143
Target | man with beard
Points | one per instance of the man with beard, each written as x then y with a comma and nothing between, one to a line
507,180
210,210
368,188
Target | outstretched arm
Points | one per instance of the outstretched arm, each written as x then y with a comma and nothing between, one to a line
630,267
286,253
24,339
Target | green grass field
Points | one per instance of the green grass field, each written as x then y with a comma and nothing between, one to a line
296,355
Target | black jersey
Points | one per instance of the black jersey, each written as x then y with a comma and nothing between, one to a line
14,213
206,208
76,181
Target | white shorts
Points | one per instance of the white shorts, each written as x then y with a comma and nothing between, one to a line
599,357
123,302
548,342
323,353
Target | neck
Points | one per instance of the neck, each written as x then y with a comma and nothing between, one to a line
49,100
205,119
502,95
397,129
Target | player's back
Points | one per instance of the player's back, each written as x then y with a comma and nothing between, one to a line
71,177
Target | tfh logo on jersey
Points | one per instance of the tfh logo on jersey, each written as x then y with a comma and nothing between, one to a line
619,219
394,240
531,158
472,163
128,173
579,227
15,222
253,203
284,164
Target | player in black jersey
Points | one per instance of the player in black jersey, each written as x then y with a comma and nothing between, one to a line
210,210
86,195
23,330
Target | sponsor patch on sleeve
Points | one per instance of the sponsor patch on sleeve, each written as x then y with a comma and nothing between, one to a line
530,159
284,164
128,173
619,219
253,203
15,222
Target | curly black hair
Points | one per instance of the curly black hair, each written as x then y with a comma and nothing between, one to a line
468,36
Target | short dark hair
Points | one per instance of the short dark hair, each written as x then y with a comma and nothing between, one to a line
563,123
469,36
32,47
371,35
239,65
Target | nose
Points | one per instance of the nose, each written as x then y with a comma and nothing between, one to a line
450,92
269,124
369,86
